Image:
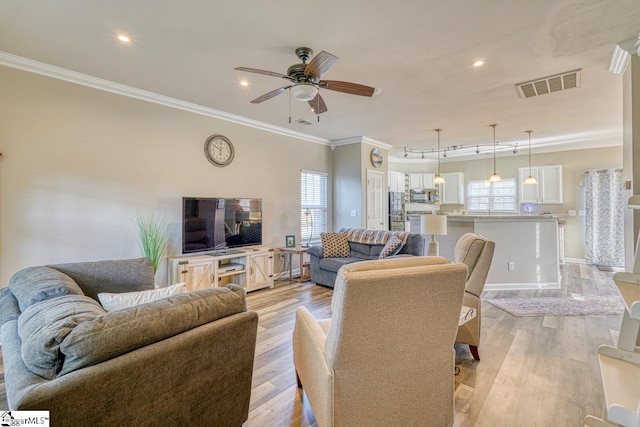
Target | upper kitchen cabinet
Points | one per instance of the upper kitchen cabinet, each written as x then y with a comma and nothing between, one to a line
547,191
452,192
396,182
421,180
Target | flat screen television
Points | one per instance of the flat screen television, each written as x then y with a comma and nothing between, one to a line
216,224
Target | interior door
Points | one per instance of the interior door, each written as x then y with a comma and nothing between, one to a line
376,216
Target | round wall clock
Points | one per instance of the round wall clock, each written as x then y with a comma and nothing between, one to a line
218,150
376,158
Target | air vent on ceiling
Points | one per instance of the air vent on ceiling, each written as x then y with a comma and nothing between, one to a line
568,80
304,122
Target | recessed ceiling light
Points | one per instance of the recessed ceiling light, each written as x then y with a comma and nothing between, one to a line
478,63
123,38
244,83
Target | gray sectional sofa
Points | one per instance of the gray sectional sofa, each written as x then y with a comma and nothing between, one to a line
324,270
182,360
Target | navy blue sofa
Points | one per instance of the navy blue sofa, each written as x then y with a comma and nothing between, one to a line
325,270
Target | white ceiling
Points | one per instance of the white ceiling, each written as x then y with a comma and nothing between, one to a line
418,52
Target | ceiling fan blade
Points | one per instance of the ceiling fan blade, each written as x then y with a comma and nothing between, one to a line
264,72
320,64
270,95
347,87
317,105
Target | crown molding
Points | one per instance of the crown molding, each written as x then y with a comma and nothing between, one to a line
358,140
36,67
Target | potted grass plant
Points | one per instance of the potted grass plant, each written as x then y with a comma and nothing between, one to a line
153,232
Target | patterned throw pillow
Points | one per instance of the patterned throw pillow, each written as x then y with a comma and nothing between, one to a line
335,245
392,247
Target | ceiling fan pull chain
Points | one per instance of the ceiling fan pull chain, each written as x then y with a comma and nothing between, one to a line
289,107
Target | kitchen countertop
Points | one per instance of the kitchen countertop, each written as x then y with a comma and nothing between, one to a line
507,217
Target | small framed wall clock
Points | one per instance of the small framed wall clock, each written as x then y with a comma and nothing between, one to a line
376,158
219,150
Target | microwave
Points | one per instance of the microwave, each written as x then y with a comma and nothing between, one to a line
422,195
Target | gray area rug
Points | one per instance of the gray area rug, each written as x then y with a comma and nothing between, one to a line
559,306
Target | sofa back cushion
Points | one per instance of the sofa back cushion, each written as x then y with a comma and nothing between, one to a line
43,326
118,332
36,284
126,275
365,250
414,245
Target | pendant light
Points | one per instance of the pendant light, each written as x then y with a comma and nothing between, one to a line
439,179
530,179
494,176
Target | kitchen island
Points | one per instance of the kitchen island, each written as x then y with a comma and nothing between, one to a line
527,248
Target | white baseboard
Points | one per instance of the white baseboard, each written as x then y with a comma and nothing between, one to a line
575,260
520,286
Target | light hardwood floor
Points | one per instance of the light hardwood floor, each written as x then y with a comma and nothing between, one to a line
535,371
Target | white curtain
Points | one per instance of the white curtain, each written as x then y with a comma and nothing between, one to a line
605,202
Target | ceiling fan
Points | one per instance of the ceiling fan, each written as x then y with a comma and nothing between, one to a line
306,83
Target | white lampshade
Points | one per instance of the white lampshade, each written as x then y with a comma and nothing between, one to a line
439,179
495,177
433,224
304,91
530,180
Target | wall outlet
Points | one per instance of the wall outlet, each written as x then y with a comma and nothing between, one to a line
354,212
572,212
511,266
582,212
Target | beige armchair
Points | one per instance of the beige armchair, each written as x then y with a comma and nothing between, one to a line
476,252
386,355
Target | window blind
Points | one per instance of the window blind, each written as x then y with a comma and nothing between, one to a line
497,196
313,205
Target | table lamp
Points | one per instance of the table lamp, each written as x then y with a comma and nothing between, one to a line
436,225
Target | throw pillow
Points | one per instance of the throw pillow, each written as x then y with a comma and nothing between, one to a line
36,284
335,245
43,326
112,302
392,247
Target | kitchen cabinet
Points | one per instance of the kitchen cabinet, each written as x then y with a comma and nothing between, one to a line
548,190
421,180
396,182
452,192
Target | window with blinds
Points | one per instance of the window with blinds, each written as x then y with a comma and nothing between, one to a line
313,206
497,196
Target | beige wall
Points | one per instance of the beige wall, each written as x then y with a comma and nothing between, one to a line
348,185
574,163
78,163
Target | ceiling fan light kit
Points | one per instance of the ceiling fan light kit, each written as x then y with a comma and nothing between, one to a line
306,83
304,92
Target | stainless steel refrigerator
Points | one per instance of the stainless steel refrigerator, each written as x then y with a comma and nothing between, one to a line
396,211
